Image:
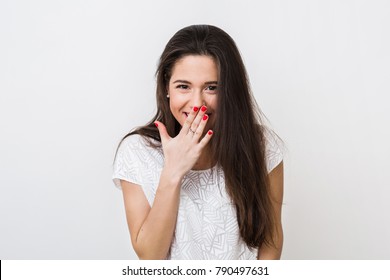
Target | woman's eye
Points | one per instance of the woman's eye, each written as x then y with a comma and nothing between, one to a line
182,87
211,88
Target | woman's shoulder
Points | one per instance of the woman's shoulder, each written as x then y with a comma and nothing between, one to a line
271,137
137,142
132,140
133,159
139,147
274,148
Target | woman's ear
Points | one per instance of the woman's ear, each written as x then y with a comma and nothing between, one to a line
167,89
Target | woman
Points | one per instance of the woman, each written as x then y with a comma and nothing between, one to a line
204,178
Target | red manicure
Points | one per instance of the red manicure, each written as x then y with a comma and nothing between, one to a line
205,117
156,124
196,109
210,132
204,108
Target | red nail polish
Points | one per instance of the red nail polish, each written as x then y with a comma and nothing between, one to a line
205,117
210,132
196,109
204,108
156,124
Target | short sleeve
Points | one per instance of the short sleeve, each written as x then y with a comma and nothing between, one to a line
127,163
274,149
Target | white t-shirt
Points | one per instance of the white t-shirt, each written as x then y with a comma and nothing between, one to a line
206,226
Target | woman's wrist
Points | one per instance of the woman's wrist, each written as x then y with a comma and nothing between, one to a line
171,176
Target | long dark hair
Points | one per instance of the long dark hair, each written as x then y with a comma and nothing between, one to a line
238,144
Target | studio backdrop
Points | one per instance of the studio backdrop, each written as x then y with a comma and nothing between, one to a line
76,76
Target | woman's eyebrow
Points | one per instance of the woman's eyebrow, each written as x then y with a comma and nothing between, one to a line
187,82
182,81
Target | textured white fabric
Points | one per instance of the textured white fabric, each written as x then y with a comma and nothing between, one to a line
206,225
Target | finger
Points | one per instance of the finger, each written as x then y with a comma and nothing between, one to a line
198,120
187,124
199,130
163,131
206,139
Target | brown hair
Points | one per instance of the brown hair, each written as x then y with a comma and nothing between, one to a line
238,144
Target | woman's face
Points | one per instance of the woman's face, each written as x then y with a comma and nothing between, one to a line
194,82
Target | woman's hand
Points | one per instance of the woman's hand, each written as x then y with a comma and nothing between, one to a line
182,151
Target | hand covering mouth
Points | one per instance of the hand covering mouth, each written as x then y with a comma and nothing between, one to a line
185,113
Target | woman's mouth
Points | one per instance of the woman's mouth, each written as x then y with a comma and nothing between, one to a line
186,114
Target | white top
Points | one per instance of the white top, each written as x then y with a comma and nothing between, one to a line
206,225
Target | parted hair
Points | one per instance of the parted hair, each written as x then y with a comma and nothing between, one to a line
238,144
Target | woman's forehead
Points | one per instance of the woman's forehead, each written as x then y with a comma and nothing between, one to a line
195,68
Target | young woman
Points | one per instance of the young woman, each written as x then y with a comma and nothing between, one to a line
204,178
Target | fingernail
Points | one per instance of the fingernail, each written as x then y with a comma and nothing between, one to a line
205,117
156,124
196,109
204,108
210,132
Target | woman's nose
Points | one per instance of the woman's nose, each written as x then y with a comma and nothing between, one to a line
197,99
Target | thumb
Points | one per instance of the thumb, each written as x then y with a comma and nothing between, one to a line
163,131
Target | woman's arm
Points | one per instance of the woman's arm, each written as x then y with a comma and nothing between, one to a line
152,228
268,252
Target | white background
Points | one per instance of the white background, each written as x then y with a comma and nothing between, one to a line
75,76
